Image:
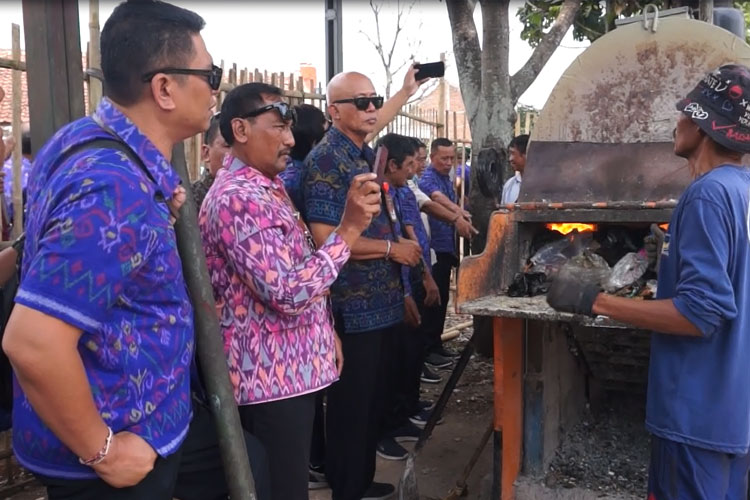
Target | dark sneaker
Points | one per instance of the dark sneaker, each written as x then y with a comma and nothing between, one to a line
317,479
379,491
437,361
425,405
420,419
430,377
389,449
406,433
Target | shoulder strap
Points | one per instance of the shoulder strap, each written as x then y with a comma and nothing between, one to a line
106,143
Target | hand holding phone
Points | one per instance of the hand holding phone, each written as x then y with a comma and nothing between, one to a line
430,70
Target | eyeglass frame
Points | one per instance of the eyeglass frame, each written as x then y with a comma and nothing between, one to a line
213,76
289,115
369,99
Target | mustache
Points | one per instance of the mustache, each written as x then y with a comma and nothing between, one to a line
285,152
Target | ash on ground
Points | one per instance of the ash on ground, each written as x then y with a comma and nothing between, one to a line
607,451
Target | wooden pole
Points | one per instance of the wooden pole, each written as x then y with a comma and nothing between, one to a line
527,123
54,70
441,111
209,349
706,9
17,188
94,57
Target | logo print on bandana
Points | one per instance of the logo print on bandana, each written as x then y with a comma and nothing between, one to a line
735,92
698,113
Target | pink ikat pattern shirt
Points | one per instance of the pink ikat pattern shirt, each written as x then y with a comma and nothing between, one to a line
270,286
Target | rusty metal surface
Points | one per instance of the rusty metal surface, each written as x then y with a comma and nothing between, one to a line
595,172
479,274
622,89
635,215
535,308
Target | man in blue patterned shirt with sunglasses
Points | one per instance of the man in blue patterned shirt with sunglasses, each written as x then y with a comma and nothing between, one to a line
101,339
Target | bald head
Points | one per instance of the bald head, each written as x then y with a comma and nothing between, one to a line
348,84
355,122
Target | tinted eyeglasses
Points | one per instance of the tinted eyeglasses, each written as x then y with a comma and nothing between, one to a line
286,112
362,103
213,75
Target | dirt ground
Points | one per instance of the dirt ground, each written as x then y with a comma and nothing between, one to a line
603,457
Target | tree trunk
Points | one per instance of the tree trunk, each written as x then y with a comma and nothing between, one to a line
490,95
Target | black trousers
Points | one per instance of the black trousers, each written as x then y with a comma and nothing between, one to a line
434,318
353,417
403,356
318,445
194,472
285,429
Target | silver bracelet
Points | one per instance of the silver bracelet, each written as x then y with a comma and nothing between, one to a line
388,249
101,454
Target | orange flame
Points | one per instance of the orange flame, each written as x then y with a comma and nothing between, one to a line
567,227
664,227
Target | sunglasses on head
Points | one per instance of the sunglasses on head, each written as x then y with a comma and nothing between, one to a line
213,75
286,112
362,103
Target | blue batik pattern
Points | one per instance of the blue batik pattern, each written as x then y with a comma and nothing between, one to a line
101,256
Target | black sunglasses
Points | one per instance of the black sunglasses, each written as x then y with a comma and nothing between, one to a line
286,112
213,75
362,103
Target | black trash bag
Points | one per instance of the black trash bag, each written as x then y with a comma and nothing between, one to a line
528,285
615,242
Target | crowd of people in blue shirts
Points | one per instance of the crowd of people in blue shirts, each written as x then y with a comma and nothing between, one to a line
331,285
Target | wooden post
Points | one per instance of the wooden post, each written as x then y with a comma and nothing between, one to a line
455,127
508,409
527,123
94,60
54,70
706,9
17,90
441,111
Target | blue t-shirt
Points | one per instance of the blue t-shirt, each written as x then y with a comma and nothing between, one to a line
293,178
699,388
443,234
101,255
412,217
368,294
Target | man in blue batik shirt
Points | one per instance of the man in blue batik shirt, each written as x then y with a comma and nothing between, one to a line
698,404
101,338
436,183
368,297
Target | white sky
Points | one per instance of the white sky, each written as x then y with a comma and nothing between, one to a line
279,35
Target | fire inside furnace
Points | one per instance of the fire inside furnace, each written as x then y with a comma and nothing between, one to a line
569,227
620,258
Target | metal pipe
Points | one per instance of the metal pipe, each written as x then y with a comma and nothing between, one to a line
209,344
598,205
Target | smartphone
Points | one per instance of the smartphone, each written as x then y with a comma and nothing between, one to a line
430,70
381,159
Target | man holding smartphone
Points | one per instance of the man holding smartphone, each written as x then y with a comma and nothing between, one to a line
368,296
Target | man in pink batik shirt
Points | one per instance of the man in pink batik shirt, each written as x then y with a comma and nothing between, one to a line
271,284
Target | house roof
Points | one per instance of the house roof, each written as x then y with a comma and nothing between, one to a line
6,82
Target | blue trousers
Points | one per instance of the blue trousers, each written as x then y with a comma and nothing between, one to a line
682,472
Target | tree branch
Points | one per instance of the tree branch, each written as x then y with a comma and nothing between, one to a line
525,76
467,51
